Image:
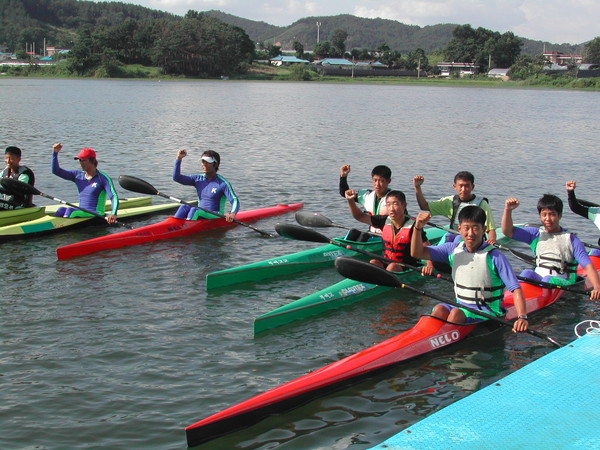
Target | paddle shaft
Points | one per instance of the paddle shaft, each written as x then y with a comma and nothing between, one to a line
544,284
368,273
93,213
479,313
384,259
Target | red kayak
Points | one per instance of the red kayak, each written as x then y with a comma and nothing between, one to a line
427,335
171,227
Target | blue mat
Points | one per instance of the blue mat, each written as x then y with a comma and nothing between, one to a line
552,403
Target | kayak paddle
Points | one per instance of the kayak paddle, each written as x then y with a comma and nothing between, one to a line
298,233
143,187
15,185
316,220
544,284
369,273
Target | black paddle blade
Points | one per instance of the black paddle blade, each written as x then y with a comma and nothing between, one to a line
135,184
299,233
365,272
309,219
12,185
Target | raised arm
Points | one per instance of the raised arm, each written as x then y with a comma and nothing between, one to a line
507,221
356,212
344,172
417,249
574,204
421,200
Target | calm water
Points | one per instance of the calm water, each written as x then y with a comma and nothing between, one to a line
123,349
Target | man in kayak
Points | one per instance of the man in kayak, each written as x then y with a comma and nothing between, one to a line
589,212
480,272
557,251
450,207
93,185
373,200
13,169
396,228
213,189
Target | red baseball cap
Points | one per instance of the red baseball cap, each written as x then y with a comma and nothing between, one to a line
86,153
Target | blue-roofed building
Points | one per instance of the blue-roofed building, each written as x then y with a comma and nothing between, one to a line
335,62
284,59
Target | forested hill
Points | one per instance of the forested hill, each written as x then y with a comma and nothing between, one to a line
57,21
367,33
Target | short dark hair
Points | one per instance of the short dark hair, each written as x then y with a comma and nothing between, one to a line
382,171
13,151
214,155
398,194
464,175
472,213
549,201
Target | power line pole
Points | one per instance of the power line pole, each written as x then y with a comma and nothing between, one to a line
318,32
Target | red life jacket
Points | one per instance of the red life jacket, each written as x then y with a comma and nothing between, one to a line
397,247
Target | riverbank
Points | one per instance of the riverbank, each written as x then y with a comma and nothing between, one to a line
262,72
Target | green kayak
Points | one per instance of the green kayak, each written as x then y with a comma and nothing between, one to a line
128,208
315,258
8,217
335,296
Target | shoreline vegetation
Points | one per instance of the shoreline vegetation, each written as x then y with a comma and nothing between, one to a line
262,72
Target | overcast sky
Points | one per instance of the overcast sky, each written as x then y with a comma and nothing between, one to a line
555,21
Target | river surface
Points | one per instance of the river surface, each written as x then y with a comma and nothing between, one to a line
125,348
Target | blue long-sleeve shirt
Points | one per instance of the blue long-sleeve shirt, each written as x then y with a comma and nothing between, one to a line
92,192
212,194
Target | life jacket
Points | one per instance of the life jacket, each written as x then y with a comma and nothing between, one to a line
458,205
397,247
374,206
554,254
17,200
476,282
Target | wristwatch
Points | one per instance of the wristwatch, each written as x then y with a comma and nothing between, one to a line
523,317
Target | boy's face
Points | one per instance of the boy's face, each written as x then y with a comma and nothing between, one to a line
12,161
380,184
550,220
472,233
395,208
463,188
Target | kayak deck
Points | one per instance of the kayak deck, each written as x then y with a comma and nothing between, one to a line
12,216
314,258
171,227
427,335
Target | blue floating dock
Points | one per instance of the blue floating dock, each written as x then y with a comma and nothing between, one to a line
552,403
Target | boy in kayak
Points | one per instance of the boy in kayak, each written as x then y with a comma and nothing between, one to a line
450,207
397,230
480,272
213,190
589,212
93,185
557,251
13,169
373,200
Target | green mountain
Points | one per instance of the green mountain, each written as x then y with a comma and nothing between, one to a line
367,33
57,21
